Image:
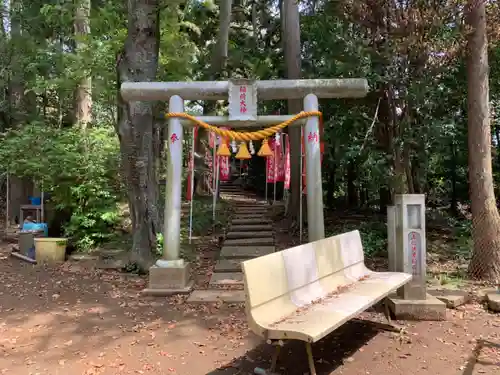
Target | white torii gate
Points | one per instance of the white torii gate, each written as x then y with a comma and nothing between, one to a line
171,274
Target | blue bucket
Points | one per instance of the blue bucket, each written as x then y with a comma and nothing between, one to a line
35,201
37,227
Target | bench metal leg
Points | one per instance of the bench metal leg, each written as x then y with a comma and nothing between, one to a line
310,358
390,326
274,359
387,312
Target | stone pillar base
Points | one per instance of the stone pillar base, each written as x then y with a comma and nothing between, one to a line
166,281
428,309
493,299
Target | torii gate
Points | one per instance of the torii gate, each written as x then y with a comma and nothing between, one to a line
171,274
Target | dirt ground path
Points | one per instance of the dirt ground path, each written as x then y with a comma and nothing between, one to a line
71,320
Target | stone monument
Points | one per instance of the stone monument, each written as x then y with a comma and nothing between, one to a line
407,253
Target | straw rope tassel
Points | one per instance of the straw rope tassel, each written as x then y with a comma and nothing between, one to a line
246,136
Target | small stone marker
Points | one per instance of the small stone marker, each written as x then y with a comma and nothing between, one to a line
493,299
407,253
452,297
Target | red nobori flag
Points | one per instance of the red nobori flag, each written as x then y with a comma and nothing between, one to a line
287,163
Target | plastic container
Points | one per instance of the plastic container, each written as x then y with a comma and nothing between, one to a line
35,201
27,242
36,227
50,249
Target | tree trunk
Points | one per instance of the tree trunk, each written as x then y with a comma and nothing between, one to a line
139,62
453,178
408,169
217,68
352,191
384,198
291,44
20,188
16,83
83,94
330,190
485,262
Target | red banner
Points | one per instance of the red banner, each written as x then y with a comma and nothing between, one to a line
275,167
270,163
189,193
225,169
224,166
211,139
279,169
287,163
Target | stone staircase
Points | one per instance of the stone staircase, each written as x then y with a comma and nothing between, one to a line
249,235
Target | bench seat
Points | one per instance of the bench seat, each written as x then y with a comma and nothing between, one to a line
308,291
312,323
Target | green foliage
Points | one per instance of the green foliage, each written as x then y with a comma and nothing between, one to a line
202,221
40,59
373,235
462,233
78,170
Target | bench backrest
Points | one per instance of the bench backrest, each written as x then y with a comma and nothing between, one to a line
277,283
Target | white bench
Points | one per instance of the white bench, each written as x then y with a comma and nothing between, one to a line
306,292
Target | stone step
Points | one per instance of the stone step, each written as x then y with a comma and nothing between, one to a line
216,295
251,228
228,265
250,221
256,203
250,242
239,214
251,206
246,252
243,198
236,235
240,198
257,210
226,278
248,215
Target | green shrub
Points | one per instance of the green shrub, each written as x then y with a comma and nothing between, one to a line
79,169
373,235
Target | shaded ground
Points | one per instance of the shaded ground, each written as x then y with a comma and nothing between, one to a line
77,320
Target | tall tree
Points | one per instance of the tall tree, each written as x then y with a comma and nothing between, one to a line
291,44
485,263
219,59
20,188
83,102
135,127
217,69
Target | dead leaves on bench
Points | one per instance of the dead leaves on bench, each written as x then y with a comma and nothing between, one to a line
304,309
